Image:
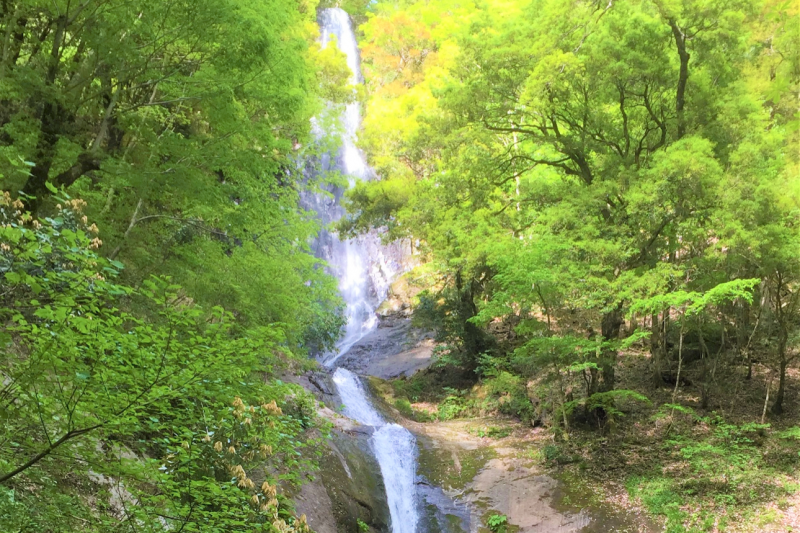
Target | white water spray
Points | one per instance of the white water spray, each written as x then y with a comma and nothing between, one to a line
395,449
360,264
364,269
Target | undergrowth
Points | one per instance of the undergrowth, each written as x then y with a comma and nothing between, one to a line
716,474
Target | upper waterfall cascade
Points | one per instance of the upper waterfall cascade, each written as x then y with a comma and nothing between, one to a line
363,265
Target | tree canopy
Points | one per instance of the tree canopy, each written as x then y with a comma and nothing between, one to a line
155,269
563,160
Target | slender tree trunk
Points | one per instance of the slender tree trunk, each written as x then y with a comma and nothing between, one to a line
677,381
705,385
47,451
134,219
683,75
593,385
564,401
612,321
680,366
777,407
766,399
657,349
783,339
748,353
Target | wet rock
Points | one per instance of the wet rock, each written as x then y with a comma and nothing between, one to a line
321,381
320,384
499,477
391,350
507,486
348,487
439,512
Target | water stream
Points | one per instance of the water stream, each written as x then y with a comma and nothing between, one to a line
364,268
395,449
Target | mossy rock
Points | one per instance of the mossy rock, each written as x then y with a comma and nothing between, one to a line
352,479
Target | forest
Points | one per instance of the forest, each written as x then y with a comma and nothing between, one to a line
602,203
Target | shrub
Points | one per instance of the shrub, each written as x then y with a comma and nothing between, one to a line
135,386
498,523
512,396
451,407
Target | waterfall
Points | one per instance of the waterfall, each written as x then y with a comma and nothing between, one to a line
363,265
364,268
395,449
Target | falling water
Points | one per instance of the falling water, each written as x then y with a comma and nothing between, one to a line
363,265
395,449
364,268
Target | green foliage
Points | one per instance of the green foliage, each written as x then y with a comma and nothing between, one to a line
452,406
727,470
609,401
791,433
659,497
404,406
669,410
168,410
728,450
566,165
181,125
493,432
552,453
451,311
362,526
693,303
512,396
407,410
131,399
497,523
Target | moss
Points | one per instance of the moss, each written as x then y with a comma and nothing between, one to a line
450,469
450,523
356,491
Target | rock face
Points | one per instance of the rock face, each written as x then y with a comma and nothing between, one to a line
348,488
525,495
391,350
499,477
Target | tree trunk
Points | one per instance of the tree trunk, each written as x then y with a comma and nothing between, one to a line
52,120
475,340
657,349
705,382
783,340
683,75
610,325
777,407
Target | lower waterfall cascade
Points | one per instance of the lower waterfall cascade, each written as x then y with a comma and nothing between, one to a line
395,449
